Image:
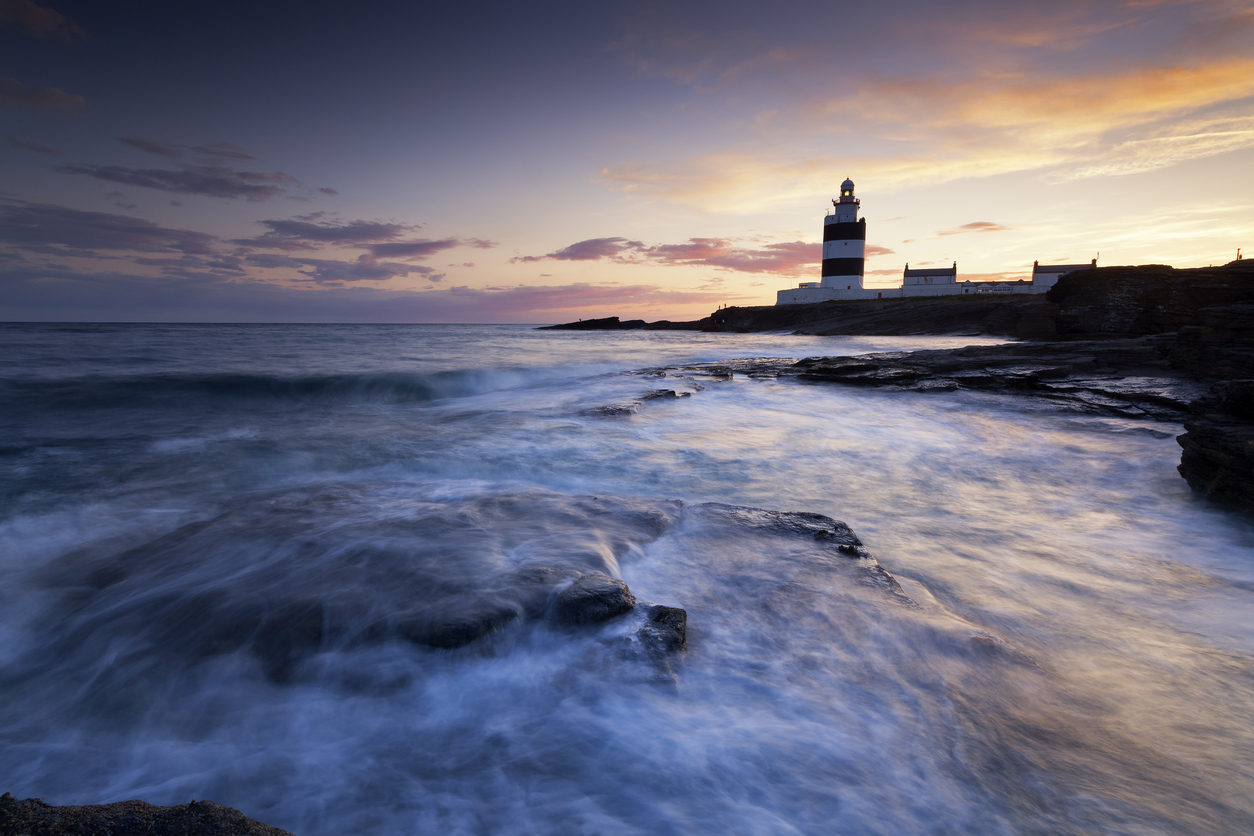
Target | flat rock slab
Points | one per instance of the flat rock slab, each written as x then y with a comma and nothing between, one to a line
32,817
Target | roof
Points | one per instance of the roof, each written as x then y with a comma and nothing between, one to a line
943,271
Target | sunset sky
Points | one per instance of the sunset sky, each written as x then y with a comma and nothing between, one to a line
515,162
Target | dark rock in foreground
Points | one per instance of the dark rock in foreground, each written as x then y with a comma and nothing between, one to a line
592,599
33,817
667,630
1218,444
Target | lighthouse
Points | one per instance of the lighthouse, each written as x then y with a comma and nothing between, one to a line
844,243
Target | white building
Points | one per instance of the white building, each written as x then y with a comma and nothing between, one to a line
844,265
1047,276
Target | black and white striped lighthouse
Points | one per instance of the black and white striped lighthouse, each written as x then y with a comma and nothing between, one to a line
844,243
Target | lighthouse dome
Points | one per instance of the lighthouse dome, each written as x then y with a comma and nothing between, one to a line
846,186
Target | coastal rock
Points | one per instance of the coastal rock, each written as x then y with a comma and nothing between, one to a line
591,599
666,630
1128,378
451,630
32,817
281,579
1217,458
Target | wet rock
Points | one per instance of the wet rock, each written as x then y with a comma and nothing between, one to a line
1127,378
592,599
610,411
32,817
535,587
451,630
1217,448
666,630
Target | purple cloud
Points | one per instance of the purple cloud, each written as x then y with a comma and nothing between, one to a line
412,249
304,233
39,20
150,146
14,93
61,231
209,180
323,270
218,150
785,258
222,150
590,250
365,268
31,145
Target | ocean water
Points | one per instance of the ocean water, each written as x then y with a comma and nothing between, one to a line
220,547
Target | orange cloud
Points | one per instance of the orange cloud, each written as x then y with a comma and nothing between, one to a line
1096,124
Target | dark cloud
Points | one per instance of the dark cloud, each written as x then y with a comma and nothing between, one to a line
272,260
210,180
221,150
412,249
977,226
57,230
327,190
31,145
150,146
305,233
325,270
39,20
14,93
365,268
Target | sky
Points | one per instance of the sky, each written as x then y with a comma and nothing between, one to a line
539,163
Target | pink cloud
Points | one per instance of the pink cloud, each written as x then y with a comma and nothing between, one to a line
590,250
785,258
977,226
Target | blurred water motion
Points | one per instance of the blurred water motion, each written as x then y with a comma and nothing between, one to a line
1067,647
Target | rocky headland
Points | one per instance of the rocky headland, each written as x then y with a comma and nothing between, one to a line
1138,342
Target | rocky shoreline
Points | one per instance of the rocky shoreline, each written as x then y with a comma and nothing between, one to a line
1135,342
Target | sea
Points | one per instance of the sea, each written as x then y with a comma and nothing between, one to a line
216,542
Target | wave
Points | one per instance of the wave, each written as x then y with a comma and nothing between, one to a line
383,388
